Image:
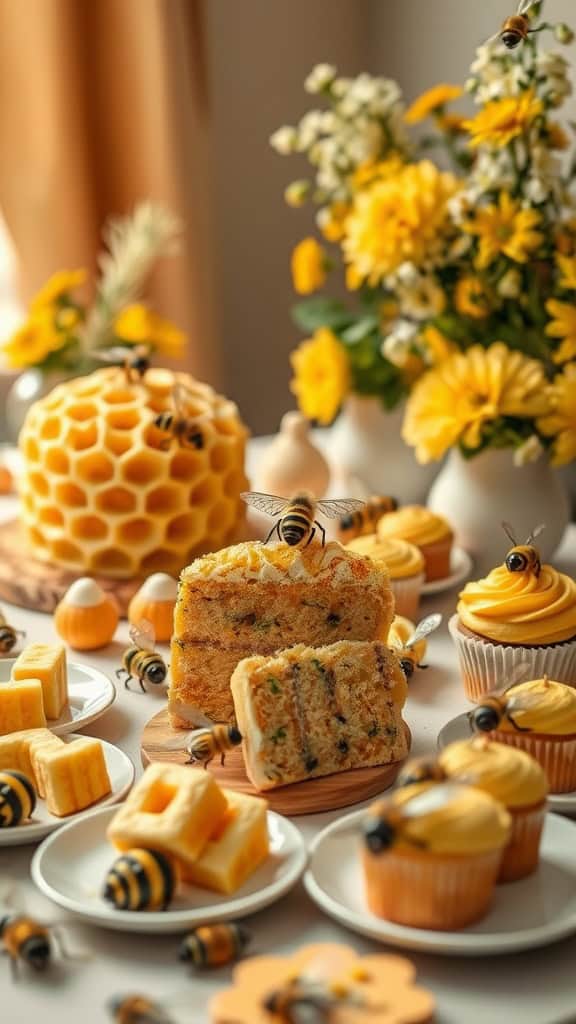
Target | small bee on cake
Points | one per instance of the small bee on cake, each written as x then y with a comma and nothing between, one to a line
141,661
297,523
178,424
499,704
385,824
523,557
134,360
406,652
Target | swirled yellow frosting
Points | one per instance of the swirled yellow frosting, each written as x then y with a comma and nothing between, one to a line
520,607
459,819
542,706
507,774
416,524
401,558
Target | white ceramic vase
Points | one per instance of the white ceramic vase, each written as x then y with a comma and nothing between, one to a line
477,494
366,444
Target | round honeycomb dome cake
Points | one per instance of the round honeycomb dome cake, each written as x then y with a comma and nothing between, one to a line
103,491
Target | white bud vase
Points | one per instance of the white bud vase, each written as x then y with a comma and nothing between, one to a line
366,443
477,494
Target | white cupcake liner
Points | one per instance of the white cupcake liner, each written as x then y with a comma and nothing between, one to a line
407,595
487,666
520,857
555,754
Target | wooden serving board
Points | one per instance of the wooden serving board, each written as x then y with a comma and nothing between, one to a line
311,797
30,583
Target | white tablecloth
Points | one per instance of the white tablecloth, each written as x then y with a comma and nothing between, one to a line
532,988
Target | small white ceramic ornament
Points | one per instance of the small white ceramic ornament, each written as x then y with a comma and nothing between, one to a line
292,463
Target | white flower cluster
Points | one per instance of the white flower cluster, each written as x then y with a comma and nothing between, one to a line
363,123
494,75
553,73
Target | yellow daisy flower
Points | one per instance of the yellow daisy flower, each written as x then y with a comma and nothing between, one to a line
470,298
430,101
61,283
453,402
308,266
506,228
500,121
374,170
561,422
33,342
438,346
562,325
321,376
137,324
567,264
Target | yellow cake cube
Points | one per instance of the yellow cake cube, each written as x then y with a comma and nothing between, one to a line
172,808
74,775
21,706
15,749
46,662
237,848
41,740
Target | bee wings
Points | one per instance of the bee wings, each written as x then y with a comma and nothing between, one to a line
519,675
143,636
433,799
115,354
334,508
536,532
424,628
271,504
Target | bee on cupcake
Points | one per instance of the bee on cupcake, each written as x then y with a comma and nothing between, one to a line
523,557
365,520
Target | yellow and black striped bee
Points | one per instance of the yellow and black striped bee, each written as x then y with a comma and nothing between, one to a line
134,359
214,945
385,822
206,740
297,522
492,708
140,880
407,652
178,424
516,28
523,557
25,941
140,661
365,520
17,798
8,636
420,769
136,1009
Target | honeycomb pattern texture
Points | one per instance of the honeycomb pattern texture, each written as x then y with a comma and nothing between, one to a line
100,495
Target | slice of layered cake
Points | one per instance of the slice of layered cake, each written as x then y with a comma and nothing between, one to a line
308,711
257,599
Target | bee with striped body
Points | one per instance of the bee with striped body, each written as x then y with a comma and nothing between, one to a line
297,522
516,28
214,945
26,941
136,1009
365,520
134,359
523,557
140,661
17,798
406,654
178,424
386,822
420,769
8,636
206,740
140,880
490,711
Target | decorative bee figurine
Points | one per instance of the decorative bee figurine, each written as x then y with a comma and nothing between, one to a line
140,661
386,822
17,798
490,711
314,1001
178,423
25,941
523,557
406,653
8,635
214,945
136,1009
365,520
134,359
297,522
140,880
207,740
420,769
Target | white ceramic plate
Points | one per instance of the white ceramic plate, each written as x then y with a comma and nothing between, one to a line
527,914
121,772
91,693
459,729
460,568
71,865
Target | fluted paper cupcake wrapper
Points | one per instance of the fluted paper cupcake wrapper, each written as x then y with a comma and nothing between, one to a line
430,891
555,754
521,856
407,595
486,666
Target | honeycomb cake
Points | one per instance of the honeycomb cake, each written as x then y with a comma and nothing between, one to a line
256,599
104,491
307,712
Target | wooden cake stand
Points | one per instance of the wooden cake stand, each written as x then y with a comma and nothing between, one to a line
29,583
311,797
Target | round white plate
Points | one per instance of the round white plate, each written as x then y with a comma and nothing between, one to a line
459,729
460,567
527,914
121,772
90,694
71,865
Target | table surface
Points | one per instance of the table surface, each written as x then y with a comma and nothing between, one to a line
532,988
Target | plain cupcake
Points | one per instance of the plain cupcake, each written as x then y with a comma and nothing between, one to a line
515,626
431,533
431,855
405,564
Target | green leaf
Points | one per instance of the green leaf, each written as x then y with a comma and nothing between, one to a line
320,311
359,330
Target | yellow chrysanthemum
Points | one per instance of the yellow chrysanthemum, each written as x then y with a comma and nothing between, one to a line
308,266
454,401
500,121
470,298
562,325
561,423
61,283
438,346
506,228
567,265
430,101
331,220
137,324
321,376
34,341
398,219
374,170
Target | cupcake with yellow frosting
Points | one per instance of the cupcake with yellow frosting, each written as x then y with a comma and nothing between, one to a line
540,718
431,533
431,855
405,564
514,778
514,626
